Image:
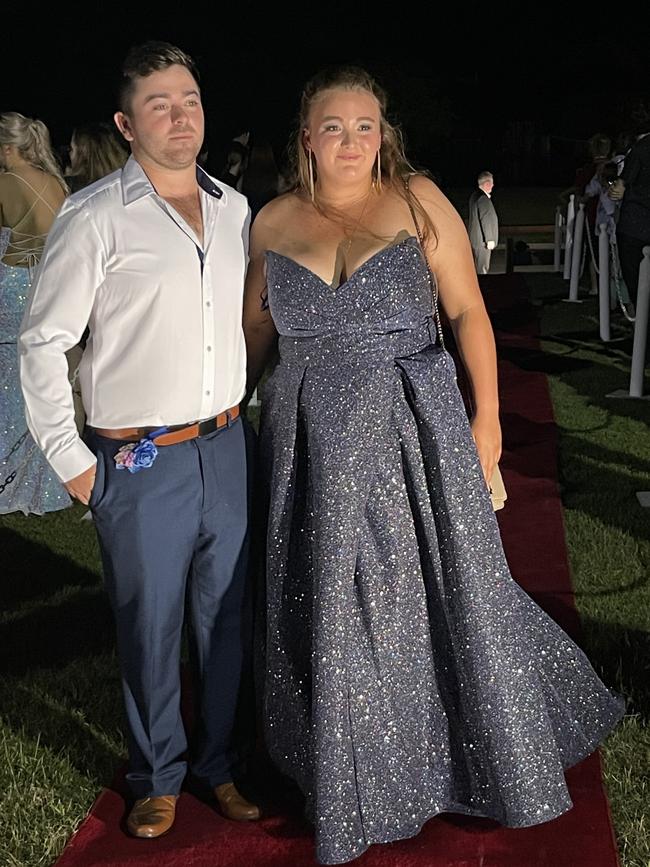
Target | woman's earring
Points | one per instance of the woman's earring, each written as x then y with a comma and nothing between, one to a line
378,178
311,177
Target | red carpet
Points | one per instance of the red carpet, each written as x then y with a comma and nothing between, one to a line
533,535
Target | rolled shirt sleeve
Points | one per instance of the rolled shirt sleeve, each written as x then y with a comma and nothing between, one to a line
57,313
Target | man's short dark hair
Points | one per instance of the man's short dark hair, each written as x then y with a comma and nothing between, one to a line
144,59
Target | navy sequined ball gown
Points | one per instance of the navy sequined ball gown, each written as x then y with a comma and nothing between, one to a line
407,674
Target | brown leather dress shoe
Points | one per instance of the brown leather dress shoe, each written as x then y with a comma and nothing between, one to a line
152,817
233,805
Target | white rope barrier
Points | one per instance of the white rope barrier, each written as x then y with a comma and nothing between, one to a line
603,282
557,239
576,253
568,235
640,343
641,327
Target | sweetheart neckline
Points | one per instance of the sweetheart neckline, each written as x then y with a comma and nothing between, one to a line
356,270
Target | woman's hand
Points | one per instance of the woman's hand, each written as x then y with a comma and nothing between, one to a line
487,436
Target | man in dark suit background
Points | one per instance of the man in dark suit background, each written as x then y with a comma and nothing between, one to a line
633,187
483,223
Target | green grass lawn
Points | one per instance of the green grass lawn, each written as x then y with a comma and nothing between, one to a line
60,703
604,461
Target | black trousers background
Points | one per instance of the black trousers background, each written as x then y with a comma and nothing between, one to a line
630,251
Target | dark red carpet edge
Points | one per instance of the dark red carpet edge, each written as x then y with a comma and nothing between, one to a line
533,535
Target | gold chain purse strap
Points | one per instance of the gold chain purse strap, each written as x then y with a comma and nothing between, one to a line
432,279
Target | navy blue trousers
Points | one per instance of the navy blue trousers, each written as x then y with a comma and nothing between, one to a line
171,533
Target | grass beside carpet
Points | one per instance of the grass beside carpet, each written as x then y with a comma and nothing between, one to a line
60,703
604,460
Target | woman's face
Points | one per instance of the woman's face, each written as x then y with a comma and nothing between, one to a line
344,133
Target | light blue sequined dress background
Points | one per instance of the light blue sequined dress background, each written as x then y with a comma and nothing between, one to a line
407,673
35,487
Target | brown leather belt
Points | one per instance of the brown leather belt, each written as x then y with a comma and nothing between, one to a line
175,434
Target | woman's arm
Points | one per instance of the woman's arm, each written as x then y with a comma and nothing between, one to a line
452,263
259,330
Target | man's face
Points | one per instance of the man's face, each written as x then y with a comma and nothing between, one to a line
488,185
165,123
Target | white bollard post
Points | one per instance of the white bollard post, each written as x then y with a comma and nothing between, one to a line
603,281
641,326
557,240
576,253
568,236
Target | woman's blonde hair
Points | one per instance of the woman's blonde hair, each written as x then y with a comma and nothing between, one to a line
97,152
395,167
32,139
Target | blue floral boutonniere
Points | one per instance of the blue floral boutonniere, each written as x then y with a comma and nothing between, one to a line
136,456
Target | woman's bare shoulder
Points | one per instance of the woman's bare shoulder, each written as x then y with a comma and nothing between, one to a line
428,192
278,209
277,217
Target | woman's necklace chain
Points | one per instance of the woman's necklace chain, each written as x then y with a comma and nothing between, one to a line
350,237
347,244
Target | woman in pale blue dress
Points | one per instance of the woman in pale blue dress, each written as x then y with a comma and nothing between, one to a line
31,192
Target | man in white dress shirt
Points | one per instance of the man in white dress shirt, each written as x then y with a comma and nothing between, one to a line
152,260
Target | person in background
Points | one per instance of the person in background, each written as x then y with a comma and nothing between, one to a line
95,152
632,190
483,226
261,179
624,141
607,214
236,162
31,192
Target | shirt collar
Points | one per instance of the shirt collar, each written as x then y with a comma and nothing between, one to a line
136,185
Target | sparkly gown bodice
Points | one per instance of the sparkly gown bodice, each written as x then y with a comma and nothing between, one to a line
406,673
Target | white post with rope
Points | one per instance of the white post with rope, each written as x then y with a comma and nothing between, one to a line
568,236
557,239
641,326
640,334
603,282
576,254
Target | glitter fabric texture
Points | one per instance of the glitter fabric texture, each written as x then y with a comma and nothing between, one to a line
35,488
407,674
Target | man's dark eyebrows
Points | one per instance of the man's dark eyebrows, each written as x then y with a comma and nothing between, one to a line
192,92
156,96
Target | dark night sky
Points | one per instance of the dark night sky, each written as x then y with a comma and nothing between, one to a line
461,75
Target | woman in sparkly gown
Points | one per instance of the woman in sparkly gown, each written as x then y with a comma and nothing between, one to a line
31,192
407,674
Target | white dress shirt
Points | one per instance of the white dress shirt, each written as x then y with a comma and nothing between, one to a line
164,310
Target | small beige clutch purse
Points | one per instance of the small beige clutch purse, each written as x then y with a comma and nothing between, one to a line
497,490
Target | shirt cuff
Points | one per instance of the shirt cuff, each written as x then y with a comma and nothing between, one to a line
73,461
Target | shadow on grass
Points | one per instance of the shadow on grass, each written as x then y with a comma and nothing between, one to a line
32,569
75,713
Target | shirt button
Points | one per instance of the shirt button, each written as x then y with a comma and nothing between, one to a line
208,393
208,304
209,348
